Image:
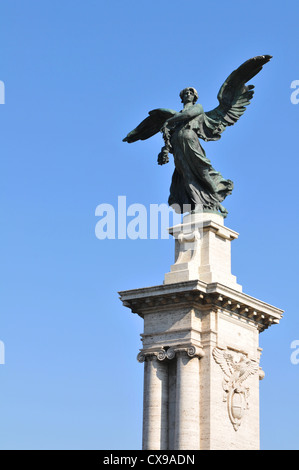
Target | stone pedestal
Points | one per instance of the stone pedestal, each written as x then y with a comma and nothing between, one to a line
200,346
203,251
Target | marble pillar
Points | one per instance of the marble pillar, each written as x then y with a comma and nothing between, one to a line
200,346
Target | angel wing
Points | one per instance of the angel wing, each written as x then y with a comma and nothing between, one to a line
150,125
252,368
233,98
224,360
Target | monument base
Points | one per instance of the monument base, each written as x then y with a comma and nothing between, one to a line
200,346
202,250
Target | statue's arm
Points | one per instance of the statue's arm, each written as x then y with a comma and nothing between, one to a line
185,115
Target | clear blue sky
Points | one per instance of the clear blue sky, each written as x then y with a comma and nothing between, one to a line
78,76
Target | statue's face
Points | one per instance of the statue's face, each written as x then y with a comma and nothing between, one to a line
188,96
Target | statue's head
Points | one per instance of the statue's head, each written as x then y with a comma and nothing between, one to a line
187,91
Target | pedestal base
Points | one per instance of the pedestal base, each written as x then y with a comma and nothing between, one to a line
202,251
201,348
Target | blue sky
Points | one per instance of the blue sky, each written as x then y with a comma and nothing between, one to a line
78,76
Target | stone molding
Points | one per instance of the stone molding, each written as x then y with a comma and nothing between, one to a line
198,222
197,294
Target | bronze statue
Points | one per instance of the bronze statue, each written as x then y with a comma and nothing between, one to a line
195,183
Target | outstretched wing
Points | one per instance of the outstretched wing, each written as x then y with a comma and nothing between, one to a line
251,369
233,98
150,126
223,359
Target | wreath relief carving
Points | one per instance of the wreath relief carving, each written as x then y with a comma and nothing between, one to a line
236,368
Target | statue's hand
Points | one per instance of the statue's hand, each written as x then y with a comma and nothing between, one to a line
163,156
165,129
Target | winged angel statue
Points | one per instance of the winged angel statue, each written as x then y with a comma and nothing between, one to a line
195,183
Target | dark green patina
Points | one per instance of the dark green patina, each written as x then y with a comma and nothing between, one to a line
196,185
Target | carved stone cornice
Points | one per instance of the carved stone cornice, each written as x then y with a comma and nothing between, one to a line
197,294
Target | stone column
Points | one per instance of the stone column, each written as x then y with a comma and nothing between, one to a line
211,404
187,416
155,403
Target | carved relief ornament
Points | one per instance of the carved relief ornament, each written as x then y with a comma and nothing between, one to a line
236,368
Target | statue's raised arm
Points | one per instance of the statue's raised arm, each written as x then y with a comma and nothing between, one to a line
196,185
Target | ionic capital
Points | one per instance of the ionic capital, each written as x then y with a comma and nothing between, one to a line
191,351
169,353
159,355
